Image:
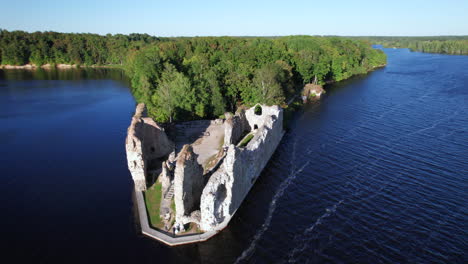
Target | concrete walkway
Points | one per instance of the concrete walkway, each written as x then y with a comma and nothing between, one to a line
164,237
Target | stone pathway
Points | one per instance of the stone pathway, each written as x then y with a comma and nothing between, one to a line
166,206
169,193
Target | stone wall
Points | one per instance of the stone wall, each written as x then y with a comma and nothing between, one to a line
257,121
188,183
156,143
235,127
228,186
146,141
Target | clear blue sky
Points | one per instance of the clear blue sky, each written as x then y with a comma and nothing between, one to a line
239,17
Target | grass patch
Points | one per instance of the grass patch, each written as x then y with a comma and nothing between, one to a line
153,196
246,140
221,143
173,211
173,206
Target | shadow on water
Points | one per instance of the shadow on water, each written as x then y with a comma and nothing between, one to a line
73,74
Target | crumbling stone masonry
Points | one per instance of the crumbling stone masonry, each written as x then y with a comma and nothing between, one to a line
146,144
235,127
188,182
228,186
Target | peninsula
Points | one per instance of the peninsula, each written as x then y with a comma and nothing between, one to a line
210,110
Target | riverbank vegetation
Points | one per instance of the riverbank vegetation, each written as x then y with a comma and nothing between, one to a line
455,45
201,77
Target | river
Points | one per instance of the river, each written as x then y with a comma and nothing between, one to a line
374,172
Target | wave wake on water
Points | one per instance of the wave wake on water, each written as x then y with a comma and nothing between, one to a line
328,212
302,240
271,209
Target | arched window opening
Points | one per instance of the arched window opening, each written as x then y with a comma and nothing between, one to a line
258,110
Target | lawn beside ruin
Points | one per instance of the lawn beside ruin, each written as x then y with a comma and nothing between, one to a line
153,196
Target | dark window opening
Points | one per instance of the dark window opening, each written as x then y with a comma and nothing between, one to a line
255,127
258,110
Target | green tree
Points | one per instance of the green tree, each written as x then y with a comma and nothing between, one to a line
268,81
174,98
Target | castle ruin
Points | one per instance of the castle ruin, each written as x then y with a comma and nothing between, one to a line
206,166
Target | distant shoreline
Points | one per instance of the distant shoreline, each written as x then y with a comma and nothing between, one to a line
51,66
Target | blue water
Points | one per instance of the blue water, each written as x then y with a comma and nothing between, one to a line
375,172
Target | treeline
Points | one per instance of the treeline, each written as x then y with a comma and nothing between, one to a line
456,45
201,77
191,78
39,48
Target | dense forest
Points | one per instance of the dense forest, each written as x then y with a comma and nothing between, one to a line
38,48
456,45
204,77
201,77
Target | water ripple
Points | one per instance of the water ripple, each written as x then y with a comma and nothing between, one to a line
271,209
